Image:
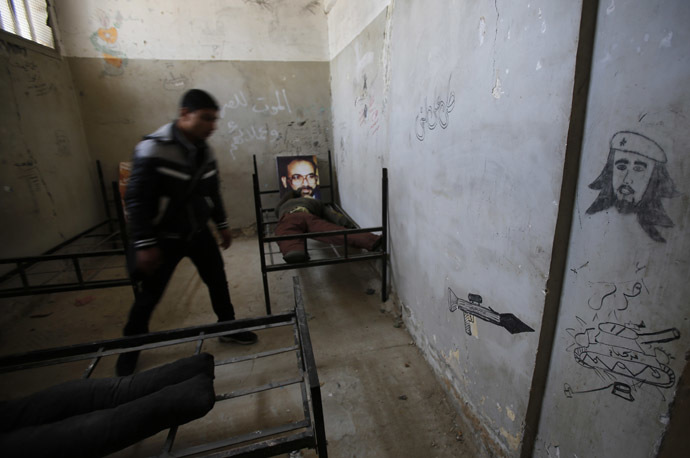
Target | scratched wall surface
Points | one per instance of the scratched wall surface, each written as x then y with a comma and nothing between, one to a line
360,87
624,327
49,189
267,109
478,112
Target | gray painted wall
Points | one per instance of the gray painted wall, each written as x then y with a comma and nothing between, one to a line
475,100
468,105
266,62
360,87
611,383
48,184
267,108
480,105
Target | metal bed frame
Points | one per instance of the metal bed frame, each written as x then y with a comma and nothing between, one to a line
266,220
72,253
306,433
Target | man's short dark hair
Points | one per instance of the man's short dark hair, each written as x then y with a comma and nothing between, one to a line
196,99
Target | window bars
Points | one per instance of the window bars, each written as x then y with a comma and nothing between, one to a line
27,19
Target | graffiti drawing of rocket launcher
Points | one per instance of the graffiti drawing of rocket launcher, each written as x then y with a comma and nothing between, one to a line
473,308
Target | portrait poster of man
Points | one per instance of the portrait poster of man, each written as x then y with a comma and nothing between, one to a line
299,173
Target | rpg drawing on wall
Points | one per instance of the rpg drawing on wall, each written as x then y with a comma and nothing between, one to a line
634,180
299,174
473,308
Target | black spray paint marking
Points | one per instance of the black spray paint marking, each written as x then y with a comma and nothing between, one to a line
609,298
622,390
435,114
614,351
473,308
618,350
634,180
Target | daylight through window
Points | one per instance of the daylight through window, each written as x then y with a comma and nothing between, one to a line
28,19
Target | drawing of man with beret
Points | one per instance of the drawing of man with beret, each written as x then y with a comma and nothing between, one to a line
634,180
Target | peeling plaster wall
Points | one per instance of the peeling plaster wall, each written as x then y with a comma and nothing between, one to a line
623,332
48,186
263,30
474,105
265,61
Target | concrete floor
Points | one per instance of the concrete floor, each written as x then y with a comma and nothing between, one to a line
380,398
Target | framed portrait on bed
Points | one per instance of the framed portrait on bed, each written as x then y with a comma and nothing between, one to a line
299,173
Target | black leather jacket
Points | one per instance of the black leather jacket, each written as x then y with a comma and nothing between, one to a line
173,189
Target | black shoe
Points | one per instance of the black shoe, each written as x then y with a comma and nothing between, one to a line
126,363
242,338
295,256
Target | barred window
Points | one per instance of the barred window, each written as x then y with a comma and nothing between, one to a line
28,19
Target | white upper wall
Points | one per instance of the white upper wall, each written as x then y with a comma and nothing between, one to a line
257,30
347,19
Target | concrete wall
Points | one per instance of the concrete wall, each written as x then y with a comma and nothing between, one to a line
266,62
360,87
474,99
473,105
49,189
347,19
468,104
613,379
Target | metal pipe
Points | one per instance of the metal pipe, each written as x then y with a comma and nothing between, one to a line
261,236
384,235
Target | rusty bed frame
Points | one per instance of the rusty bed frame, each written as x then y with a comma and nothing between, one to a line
309,432
105,240
270,258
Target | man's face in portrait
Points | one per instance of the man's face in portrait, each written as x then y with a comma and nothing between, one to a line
631,174
301,177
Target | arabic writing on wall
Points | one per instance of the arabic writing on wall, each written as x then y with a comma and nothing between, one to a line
435,114
262,105
239,101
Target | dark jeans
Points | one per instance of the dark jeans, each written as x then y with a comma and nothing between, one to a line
95,417
303,222
205,254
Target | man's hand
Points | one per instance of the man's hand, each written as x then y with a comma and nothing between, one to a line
148,260
227,238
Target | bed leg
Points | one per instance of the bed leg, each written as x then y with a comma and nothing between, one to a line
384,275
384,234
267,296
